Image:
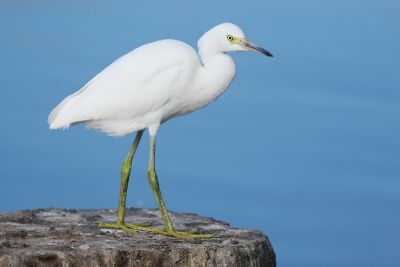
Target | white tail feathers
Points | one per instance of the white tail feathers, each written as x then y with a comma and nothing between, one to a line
58,118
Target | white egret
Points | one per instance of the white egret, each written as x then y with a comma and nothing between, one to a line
148,86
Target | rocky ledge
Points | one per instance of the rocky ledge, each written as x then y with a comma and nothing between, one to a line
69,237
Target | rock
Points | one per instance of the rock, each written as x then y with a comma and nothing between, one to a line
62,237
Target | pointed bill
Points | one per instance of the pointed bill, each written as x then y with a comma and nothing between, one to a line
253,47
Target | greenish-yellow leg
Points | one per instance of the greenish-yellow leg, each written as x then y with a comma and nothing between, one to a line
133,228
153,180
125,173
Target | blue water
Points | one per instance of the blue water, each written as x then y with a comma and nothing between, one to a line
304,146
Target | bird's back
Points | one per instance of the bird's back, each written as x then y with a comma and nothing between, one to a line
131,92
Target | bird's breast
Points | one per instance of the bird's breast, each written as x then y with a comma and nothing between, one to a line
214,78
210,81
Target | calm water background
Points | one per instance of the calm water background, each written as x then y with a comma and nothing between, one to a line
304,146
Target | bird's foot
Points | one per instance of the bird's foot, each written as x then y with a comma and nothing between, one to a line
172,233
184,235
129,228
134,228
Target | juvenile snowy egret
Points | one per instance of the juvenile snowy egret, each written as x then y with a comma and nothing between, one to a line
148,86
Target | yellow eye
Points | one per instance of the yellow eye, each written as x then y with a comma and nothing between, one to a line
229,37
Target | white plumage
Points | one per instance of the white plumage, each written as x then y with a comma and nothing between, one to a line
153,83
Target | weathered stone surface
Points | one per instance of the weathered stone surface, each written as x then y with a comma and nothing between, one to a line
59,237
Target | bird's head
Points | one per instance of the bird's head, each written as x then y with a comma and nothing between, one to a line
227,37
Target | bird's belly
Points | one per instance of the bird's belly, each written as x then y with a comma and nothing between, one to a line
185,108
190,101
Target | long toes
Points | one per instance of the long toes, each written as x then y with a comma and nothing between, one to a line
109,225
118,226
144,224
195,231
128,230
189,235
201,236
181,235
134,228
139,226
144,228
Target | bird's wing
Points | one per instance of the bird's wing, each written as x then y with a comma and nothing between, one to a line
137,84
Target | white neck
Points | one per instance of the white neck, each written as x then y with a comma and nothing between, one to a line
215,73
218,71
